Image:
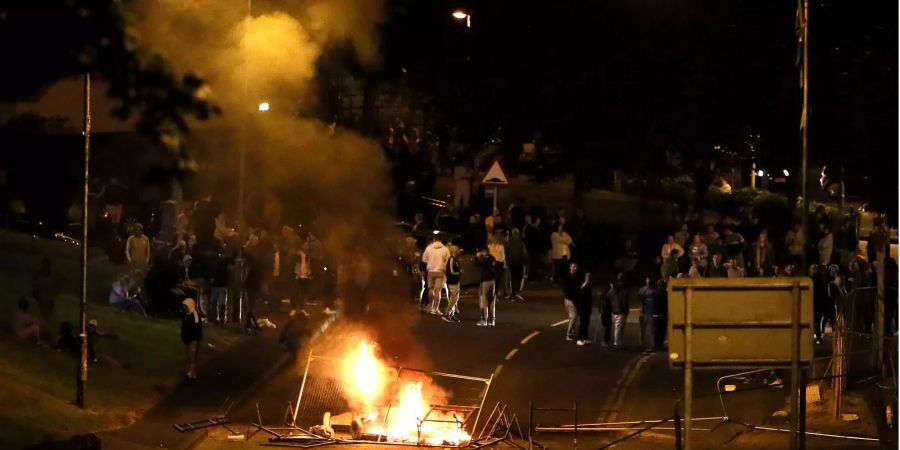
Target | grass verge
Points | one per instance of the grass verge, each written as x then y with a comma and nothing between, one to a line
37,384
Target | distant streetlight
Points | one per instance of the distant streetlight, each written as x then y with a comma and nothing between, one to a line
760,173
264,106
786,173
462,15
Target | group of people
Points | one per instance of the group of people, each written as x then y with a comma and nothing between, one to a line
721,250
508,250
578,292
837,267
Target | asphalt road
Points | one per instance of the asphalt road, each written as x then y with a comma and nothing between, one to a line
530,362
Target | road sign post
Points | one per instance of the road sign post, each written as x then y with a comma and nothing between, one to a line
739,323
495,177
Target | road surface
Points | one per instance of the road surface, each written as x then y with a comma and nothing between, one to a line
530,361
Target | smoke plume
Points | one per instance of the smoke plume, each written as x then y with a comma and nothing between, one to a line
299,170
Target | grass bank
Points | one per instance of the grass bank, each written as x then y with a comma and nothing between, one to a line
37,384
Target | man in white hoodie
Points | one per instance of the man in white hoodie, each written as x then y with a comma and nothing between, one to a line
435,258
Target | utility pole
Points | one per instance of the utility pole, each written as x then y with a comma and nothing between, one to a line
803,16
81,377
883,253
242,165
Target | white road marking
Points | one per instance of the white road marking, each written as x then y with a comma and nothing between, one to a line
622,391
613,395
561,322
497,371
529,337
511,353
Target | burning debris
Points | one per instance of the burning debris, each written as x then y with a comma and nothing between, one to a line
392,405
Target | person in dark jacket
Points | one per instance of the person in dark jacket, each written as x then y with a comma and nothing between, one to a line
66,341
616,299
191,335
219,282
716,268
516,262
653,318
454,273
94,333
585,308
487,266
820,300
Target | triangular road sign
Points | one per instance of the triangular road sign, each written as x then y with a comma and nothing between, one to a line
495,175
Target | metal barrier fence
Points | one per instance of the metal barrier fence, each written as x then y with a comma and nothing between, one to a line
859,354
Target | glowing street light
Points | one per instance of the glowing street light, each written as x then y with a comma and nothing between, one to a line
264,106
462,15
760,173
786,173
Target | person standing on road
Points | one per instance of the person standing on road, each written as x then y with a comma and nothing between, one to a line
560,250
221,278
572,283
516,262
617,300
435,258
453,276
585,308
486,290
497,248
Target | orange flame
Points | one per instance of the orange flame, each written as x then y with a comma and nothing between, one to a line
411,418
363,378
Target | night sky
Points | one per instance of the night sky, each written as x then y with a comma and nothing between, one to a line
638,77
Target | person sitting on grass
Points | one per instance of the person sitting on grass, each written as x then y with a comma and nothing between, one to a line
25,327
122,295
66,342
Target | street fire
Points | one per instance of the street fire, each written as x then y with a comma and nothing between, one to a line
399,411
363,380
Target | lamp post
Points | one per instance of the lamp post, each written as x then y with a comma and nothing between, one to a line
81,377
242,163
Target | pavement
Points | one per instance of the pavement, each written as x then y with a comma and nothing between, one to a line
226,379
530,362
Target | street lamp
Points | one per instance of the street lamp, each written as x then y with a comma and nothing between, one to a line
264,106
462,15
